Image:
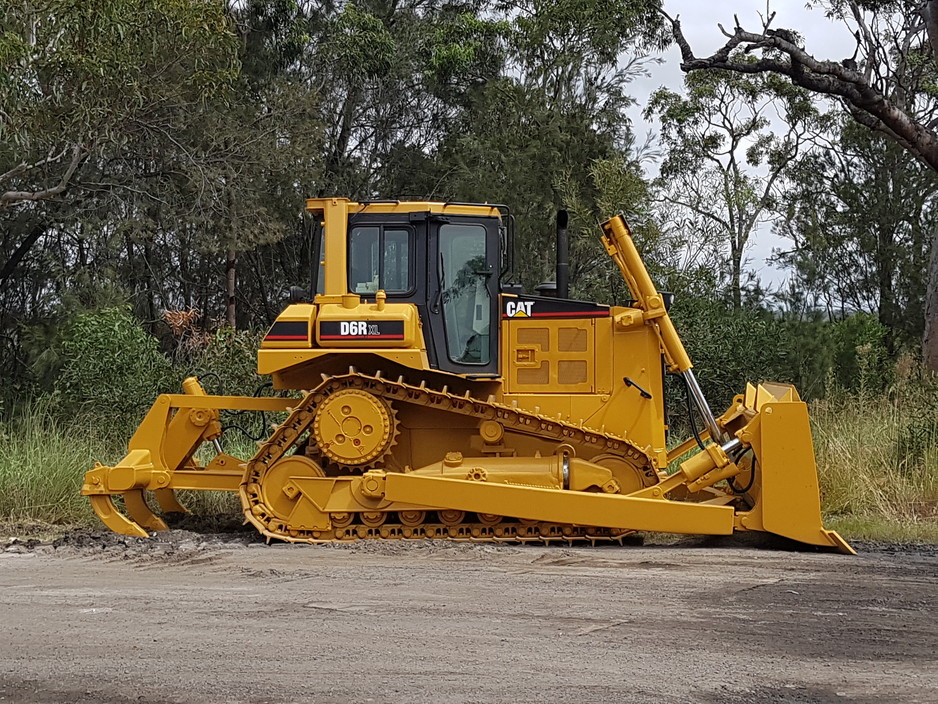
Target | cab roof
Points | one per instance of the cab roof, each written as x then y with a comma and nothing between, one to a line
318,205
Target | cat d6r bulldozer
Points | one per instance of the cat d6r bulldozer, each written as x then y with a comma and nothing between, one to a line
431,400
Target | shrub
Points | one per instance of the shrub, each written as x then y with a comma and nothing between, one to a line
111,368
228,363
848,354
730,347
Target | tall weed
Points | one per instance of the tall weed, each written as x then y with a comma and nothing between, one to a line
877,453
42,462
43,459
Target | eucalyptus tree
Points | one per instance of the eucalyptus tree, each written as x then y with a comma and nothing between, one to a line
729,140
195,145
534,135
859,216
887,85
82,85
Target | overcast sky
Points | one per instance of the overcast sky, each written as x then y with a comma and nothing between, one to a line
823,38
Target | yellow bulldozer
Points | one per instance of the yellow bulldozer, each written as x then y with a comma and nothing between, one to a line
431,400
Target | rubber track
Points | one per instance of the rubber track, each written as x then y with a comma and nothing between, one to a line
287,434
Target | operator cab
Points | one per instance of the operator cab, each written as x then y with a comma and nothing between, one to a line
443,258
449,261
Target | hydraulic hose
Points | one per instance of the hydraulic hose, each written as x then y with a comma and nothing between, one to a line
752,474
237,414
690,414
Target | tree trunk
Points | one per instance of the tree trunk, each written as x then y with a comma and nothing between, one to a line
231,275
261,288
9,266
737,277
930,342
132,276
150,287
885,268
184,275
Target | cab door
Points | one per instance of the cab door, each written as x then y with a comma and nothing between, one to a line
462,271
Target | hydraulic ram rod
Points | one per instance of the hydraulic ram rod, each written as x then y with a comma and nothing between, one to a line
701,401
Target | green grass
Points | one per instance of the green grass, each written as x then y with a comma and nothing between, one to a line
42,462
877,462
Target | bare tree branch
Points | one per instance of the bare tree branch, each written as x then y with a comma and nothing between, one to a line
781,55
13,196
883,97
930,16
24,167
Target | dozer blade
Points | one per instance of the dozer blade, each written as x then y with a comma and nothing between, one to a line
786,494
766,432
104,508
139,511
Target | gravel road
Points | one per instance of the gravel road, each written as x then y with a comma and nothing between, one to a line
191,618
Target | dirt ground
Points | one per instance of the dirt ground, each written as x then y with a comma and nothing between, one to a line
191,618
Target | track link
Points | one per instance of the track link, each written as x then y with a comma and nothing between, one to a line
289,434
508,531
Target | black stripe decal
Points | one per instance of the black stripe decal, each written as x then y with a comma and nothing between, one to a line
288,331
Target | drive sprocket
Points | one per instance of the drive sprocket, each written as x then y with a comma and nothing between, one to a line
354,428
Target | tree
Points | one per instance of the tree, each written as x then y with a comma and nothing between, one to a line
723,163
533,135
852,246
390,77
75,76
187,162
80,84
888,85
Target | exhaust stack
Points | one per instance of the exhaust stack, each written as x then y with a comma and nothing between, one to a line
563,255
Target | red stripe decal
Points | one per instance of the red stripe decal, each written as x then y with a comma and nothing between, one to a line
573,314
570,314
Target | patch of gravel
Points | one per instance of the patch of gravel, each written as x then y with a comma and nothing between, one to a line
102,542
83,541
893,548
749,540
190,534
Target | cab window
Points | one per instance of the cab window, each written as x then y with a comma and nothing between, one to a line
380,258
467,306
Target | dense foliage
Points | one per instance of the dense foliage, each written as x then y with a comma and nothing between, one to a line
154,158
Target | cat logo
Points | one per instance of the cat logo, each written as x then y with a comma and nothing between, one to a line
518,309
